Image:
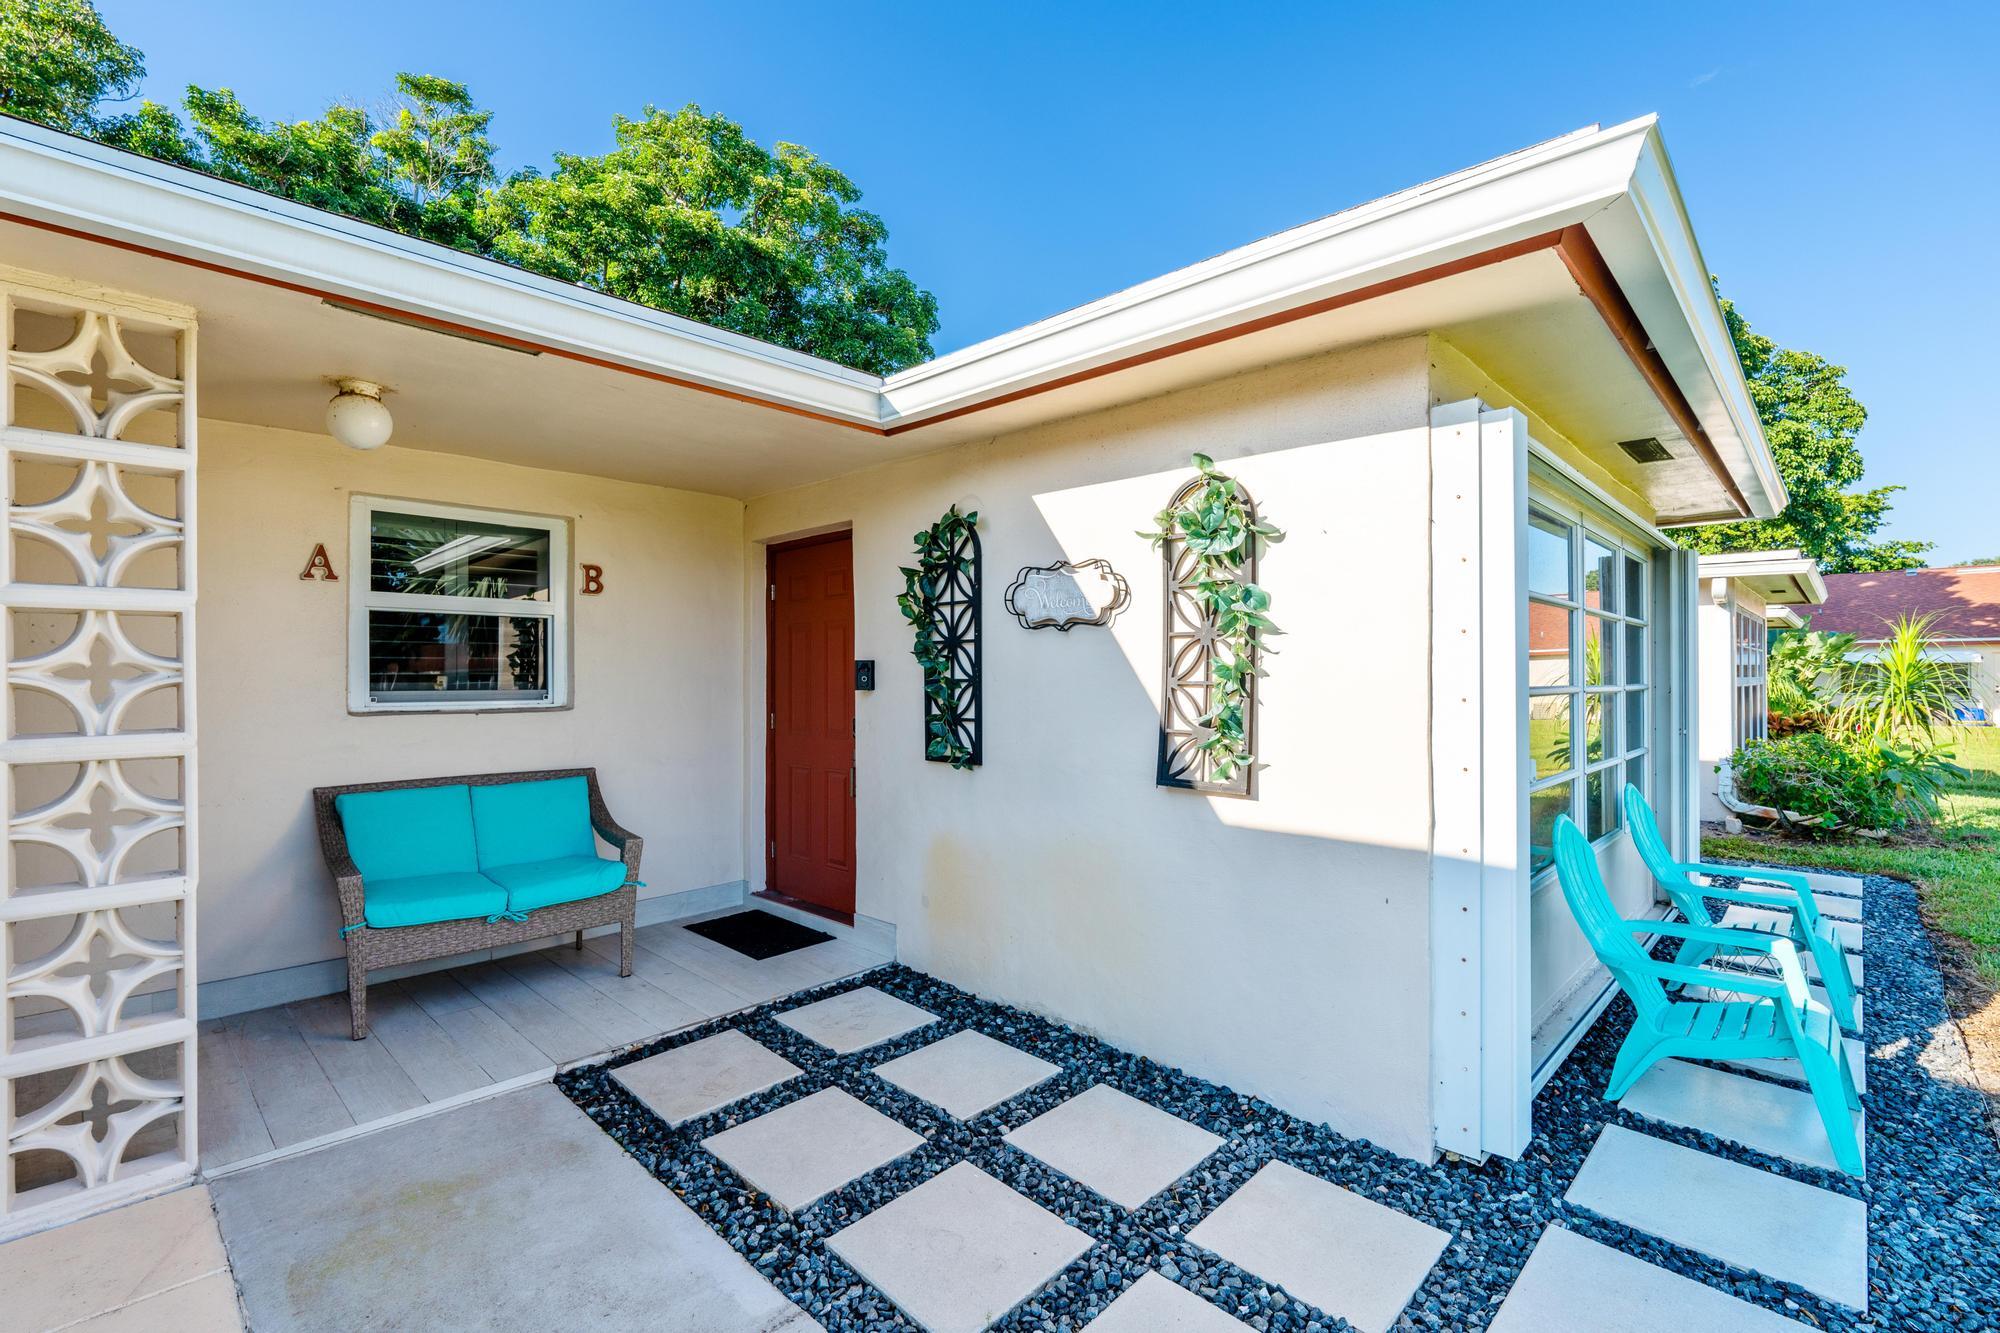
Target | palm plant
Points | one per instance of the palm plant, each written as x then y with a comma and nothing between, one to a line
1903,695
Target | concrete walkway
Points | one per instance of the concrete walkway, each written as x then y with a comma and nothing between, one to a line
520,1212
516,1212
1749,1217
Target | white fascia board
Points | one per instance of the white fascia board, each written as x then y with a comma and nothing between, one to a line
72,182
1526,194
1649,244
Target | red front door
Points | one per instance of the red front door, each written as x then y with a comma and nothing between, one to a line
809,764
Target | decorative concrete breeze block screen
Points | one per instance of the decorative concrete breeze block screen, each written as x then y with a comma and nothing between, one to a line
97,763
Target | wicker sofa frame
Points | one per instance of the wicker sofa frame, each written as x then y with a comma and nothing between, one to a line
373,947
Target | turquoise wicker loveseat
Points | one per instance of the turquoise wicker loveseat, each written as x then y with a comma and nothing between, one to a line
435,867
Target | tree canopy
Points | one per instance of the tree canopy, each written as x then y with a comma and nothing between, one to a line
686,213
58,62
1813,422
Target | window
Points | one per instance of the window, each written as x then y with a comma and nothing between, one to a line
1748,665
452,608
1588,678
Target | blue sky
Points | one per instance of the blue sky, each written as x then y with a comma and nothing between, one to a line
1838,160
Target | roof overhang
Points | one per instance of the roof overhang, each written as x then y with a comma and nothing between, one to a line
1555,261
1781,578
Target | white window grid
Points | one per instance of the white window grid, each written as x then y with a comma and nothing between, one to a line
363,598
1750,676
1621,695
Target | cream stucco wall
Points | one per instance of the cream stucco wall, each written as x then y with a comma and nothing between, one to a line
1278,945
658,693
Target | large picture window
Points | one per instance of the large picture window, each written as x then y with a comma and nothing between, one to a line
1588,677
453,608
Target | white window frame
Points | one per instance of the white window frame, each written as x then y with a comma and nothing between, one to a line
1588,522
1749,635
361,599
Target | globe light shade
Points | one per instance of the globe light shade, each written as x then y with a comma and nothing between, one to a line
356,416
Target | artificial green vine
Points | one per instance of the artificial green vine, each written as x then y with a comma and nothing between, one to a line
1214,524
922,586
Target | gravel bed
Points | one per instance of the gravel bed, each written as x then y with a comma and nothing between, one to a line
1933,1186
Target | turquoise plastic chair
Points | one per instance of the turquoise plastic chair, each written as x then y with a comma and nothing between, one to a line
1782,1021
1803,924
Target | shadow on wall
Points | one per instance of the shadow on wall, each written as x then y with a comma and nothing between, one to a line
1278,944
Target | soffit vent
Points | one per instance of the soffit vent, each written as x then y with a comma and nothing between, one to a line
1648,450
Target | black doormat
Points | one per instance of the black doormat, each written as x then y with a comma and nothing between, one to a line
758,934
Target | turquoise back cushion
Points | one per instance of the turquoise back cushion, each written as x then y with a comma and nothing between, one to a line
532,821
414,831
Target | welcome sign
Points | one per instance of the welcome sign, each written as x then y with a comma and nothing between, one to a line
1064,595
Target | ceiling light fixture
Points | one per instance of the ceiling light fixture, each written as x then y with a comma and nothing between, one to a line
356,416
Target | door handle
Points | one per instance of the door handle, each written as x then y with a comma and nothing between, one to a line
850,782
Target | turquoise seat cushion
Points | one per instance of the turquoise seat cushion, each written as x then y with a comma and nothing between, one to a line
418,900
411,832
520,822
562,879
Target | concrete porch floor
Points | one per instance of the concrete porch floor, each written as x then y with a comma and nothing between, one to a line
516,1212
275,1080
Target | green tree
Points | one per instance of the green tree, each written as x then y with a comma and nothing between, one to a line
58,62
327,163
436,151
1812,421
688,214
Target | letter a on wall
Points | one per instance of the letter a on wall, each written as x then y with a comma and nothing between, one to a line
319,567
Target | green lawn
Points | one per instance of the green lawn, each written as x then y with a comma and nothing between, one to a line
1958,878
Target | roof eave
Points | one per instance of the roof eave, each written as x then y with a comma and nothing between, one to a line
1615,183
1792,565
1649,243
73,185
1530,194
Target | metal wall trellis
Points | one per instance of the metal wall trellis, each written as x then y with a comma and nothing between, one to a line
957,612
97,761
1187,684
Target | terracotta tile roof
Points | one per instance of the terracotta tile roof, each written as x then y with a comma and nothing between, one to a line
1965,599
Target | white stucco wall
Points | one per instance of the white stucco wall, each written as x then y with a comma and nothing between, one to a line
658,677
1277,945
1715,665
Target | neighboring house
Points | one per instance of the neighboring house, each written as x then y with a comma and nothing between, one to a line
1743,594
1965,599
1491,391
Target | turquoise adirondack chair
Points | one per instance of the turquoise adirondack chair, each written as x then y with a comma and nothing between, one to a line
1792,897
1783,1021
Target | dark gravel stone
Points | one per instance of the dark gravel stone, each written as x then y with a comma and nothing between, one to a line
1933,1172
